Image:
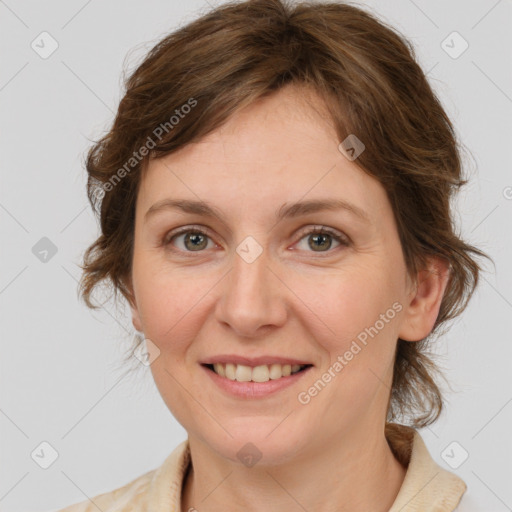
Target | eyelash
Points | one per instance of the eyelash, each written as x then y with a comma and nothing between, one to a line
341,239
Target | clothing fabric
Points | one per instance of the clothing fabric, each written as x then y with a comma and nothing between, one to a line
427,487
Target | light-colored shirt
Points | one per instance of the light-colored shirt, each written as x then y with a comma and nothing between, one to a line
427,487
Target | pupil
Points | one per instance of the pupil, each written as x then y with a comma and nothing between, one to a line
323,238
195,238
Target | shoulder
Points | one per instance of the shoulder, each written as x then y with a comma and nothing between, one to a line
158,489
427,486
128,498
468,504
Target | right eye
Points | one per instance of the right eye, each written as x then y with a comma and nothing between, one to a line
194,239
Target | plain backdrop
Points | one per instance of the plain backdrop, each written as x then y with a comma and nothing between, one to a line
60,377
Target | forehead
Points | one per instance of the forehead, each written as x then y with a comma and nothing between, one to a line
282,148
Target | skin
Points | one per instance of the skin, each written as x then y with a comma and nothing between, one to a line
330,454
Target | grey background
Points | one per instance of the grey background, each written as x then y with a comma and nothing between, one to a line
60,379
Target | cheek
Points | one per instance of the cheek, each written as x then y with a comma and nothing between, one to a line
169,305
350,301
359,314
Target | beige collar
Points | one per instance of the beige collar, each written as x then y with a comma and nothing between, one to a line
427,487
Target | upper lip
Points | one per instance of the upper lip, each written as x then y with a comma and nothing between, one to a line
252,361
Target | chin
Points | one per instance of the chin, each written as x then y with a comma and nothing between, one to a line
252,444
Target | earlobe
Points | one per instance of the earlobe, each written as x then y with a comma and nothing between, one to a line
136,319
421,313
133,307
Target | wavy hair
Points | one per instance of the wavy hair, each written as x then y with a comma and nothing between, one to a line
365,72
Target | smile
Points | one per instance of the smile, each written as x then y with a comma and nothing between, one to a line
261,373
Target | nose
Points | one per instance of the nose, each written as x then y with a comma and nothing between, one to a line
253,298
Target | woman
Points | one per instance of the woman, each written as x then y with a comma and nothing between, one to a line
274,198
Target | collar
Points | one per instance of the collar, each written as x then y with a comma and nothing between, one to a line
426,488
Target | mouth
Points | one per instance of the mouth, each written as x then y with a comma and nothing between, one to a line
261,373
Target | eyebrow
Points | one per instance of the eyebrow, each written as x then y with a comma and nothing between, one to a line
286,211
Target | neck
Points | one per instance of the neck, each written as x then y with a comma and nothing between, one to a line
355,473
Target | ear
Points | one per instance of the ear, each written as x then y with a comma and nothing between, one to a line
424,301
133,305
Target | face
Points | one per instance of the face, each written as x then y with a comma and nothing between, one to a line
254,279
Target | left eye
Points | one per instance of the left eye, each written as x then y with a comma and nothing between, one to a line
321,238
196,239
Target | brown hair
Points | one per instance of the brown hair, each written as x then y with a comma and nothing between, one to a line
195,78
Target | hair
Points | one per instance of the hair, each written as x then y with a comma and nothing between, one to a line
365,72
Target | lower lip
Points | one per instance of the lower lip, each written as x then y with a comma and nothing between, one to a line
254,389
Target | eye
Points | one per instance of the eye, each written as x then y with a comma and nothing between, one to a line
194,239
319,239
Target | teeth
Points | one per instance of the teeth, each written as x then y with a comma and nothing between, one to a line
243,373
220,369
263,373
230,371
260,374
